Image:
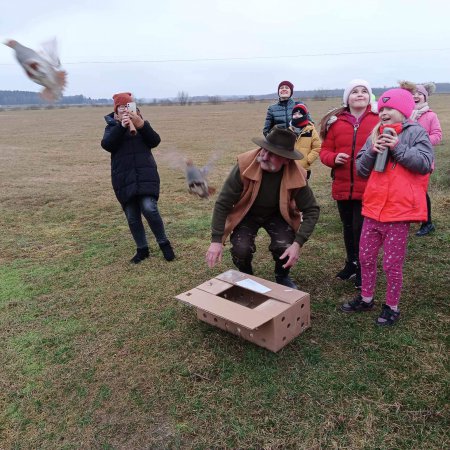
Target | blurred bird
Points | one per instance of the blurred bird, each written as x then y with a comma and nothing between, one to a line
196,180
42,68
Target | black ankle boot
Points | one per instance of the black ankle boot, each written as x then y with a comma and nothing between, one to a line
141,254
282,275
167,250
285,280
349,271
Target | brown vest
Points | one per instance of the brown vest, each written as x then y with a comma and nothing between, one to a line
294,177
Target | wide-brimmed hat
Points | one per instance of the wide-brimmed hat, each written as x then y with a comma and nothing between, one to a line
279,141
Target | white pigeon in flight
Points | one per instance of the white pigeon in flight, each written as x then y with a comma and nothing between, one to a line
43,68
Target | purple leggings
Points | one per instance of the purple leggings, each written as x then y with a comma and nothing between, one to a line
392,236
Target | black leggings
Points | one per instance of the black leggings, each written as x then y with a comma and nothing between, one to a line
429,209
352,221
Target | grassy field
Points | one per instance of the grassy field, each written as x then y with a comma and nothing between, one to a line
96,353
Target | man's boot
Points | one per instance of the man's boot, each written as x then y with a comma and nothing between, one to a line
282,275
141,254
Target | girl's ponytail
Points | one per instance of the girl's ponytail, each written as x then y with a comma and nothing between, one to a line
329,118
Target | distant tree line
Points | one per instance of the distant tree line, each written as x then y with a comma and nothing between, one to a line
12,98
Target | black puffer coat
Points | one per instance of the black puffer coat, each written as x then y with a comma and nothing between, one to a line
133,168
279,114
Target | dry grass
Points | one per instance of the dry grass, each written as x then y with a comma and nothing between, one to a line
95,353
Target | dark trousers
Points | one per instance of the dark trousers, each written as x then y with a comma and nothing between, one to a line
352,221
243,241
148,207
428,209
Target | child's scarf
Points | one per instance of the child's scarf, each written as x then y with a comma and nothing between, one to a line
418,112
397,127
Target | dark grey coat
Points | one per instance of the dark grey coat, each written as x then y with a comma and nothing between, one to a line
133,168
413,151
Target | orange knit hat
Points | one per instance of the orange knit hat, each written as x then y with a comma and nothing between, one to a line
122,98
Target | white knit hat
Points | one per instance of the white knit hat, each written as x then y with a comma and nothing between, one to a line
353,84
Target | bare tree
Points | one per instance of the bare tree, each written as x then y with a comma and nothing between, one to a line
214,100
183,98
321,95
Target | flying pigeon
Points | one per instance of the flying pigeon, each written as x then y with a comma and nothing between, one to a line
196,180
42,68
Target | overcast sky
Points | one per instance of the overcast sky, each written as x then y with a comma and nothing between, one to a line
225,47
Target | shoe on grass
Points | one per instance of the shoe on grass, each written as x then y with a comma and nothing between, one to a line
141,254
167,250
285,281
348,272
357,305
387,316
425,229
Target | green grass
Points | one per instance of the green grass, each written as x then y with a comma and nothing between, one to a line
96,353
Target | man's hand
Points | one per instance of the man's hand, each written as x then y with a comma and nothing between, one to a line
341,158
293,254
214,254
137,120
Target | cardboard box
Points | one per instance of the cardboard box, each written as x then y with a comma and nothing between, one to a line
260,311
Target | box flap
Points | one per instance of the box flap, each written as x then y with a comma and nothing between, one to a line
276,291
228,310
214,286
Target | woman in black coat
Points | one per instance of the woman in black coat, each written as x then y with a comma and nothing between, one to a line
134,174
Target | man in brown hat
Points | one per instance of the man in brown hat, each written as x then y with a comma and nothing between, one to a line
267,189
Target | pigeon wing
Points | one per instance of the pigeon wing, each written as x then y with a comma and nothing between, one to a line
50,52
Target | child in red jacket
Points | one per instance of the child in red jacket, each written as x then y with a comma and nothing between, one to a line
394,197
344,132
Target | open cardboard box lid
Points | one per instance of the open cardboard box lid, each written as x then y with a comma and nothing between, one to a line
205,296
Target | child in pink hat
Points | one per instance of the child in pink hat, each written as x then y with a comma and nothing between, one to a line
392,200
429,120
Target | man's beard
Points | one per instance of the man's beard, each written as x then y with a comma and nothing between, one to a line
272,168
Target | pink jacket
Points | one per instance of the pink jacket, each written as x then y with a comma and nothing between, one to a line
429,120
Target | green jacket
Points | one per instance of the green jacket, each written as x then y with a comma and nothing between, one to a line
297,205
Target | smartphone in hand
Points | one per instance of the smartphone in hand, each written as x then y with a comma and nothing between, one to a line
131,107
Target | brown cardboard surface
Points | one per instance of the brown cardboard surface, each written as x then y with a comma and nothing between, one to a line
214,286
277,291
258,310
274,334
248,318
